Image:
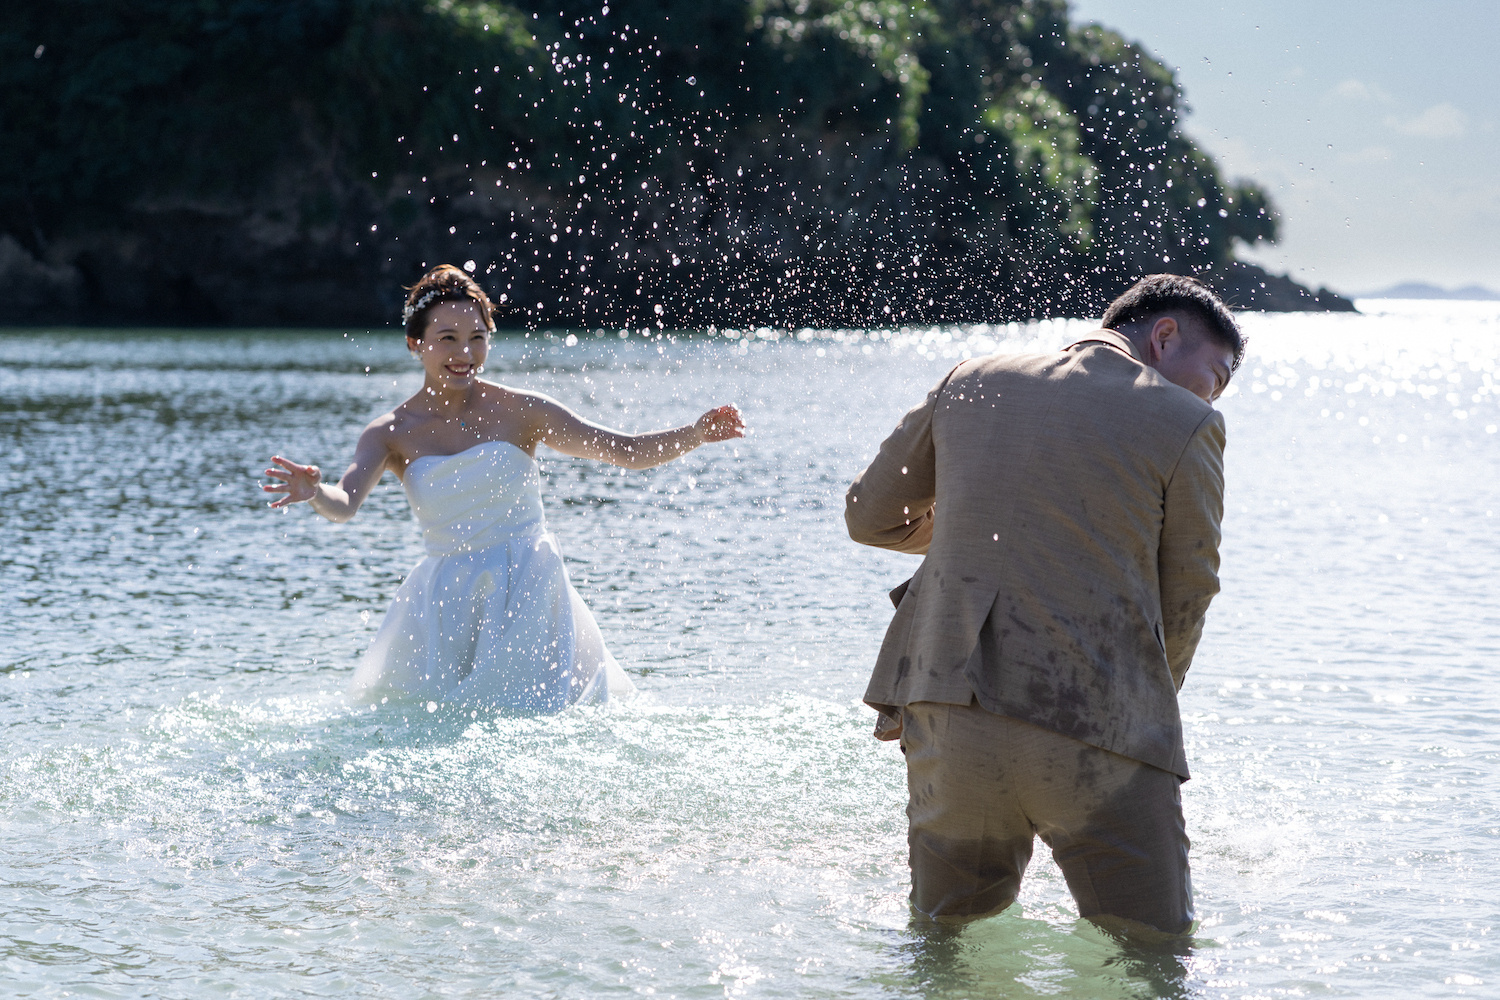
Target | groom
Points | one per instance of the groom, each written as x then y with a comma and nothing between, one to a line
1068,506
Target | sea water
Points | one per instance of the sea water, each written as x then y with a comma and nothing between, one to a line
190,807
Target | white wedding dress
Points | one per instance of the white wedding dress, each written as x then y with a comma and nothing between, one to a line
489,618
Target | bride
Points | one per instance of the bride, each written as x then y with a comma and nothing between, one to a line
488,618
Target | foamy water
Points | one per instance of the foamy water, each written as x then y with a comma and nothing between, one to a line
191,808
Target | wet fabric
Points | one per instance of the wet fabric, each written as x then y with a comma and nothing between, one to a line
982,786
1068,506
489,617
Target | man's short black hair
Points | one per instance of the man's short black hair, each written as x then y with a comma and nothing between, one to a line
1158,294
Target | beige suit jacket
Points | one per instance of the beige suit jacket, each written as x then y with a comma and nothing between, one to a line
1068,506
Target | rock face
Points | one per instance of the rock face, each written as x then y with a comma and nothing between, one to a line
677,164
1246,286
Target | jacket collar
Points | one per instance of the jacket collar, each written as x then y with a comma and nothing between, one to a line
1112,339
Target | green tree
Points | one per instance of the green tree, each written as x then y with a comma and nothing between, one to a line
718,161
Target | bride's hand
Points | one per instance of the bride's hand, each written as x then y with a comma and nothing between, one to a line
298,482
720,424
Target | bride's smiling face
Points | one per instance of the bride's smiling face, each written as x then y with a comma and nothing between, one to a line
454,344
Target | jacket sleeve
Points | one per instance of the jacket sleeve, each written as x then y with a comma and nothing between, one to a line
1188,558
890,504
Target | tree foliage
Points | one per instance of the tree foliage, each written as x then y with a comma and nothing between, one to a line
643,161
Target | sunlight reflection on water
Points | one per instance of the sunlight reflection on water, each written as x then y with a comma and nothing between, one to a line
191,806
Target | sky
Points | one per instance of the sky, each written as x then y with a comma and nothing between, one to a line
1373,125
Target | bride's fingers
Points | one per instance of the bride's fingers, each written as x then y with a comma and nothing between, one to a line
285,501
278,474
724,415
293,467
725,422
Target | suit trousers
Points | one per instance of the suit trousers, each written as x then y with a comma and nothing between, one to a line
983,785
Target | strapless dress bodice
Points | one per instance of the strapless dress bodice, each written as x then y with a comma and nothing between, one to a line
475,499
488,618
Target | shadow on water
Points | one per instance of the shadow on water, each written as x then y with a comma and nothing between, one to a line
1012,956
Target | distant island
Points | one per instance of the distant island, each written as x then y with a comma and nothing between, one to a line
1420,290
663,163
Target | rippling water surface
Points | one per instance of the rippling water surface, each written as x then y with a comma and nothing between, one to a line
189,807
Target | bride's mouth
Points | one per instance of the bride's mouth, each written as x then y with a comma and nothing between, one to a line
460,369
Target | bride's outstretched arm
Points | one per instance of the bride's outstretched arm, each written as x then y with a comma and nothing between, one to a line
563,430
337,503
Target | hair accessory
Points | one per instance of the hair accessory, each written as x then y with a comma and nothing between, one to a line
422,303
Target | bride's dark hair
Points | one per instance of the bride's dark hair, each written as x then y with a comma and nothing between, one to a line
444,283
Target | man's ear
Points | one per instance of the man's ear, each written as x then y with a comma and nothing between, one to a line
1164,331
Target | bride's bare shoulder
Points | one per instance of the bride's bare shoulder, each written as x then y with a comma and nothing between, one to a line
389,423
519,400
388,430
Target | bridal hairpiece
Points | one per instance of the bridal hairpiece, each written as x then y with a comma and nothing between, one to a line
423,302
